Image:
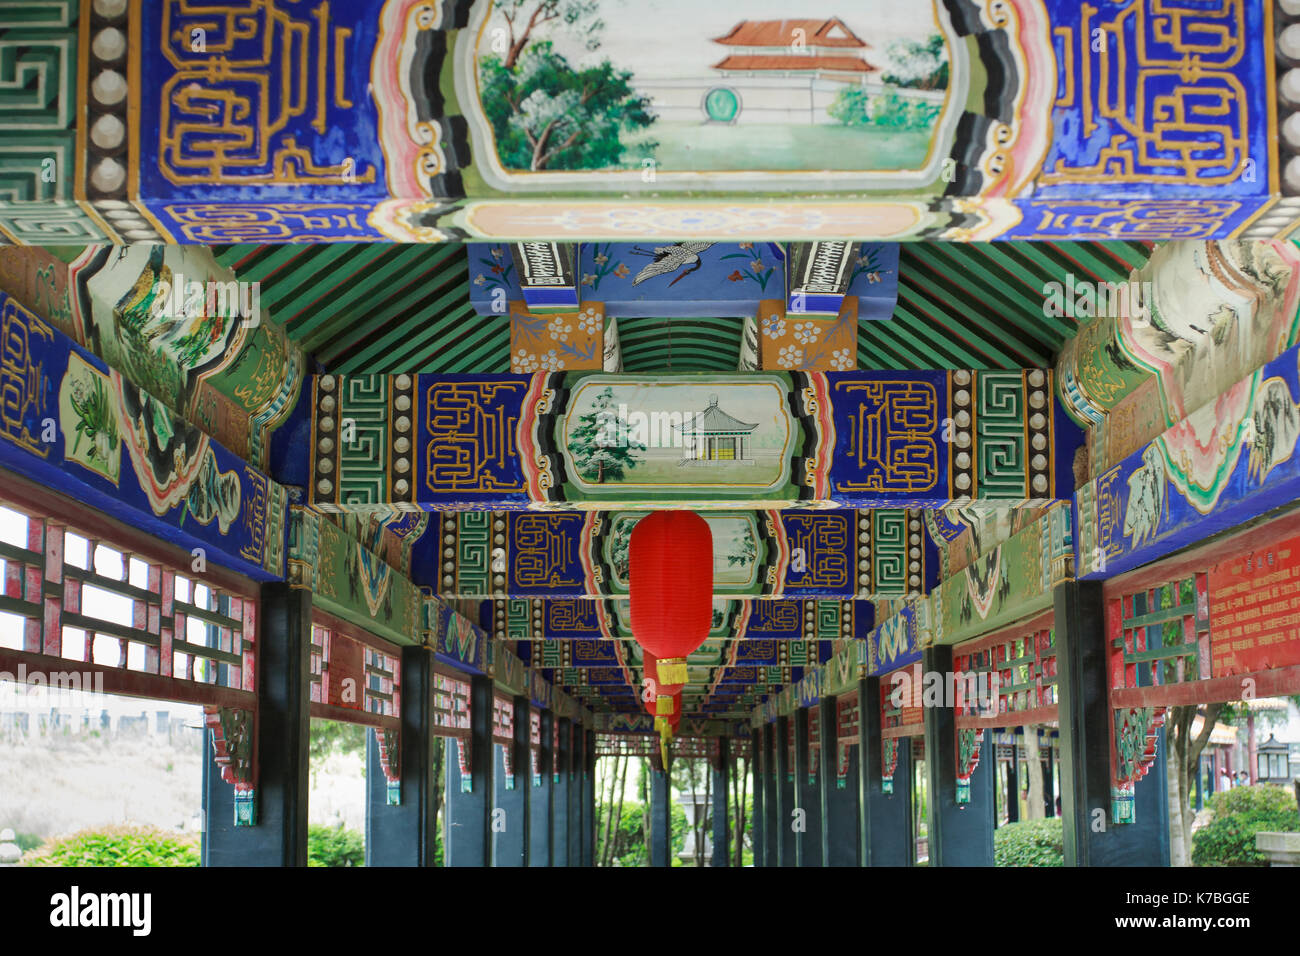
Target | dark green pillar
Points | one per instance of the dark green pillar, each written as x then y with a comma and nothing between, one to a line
560,795
660,818
771,798
539,798
405,834
839,795
1091,837
758,784
279,835
787,846
807,794
720,768
589,798
884,819
1013,777
575,794
510,808
467,831
961,834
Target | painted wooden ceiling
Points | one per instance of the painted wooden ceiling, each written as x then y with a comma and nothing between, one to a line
383,308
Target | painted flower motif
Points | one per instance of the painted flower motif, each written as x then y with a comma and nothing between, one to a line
496,252
790,357
588,279
601,258
78,392
559,329
806,333
497,269
757,265
774,326
735,276
523,361
588,321
841,360
747,245
552,362
622,271
873,276
480,279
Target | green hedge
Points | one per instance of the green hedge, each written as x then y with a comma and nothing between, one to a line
1240,813
1029,843
117,846
335,846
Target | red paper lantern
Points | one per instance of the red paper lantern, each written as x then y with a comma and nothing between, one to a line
670,586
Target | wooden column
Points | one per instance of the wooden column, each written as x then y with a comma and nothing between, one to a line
575,794
279,837
539,800
589,798
758,783
1013,777
660,819
466,835
772,800
1091,838
720,768
884,819
786,842
839,804
509,823
961,834
560,796
807,796
404,835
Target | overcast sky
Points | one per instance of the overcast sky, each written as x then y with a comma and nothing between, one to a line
674,38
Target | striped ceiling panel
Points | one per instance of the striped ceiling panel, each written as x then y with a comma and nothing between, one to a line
378,307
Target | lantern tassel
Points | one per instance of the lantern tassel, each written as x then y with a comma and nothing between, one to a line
664,706
672,670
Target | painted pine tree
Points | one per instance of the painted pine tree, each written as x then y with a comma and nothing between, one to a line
600,443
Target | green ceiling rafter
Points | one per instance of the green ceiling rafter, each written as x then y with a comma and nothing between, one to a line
382,308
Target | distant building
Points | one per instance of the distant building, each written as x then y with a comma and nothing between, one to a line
784,71
806,48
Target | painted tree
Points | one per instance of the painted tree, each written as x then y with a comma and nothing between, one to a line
600,444
920,65
545,114
525,17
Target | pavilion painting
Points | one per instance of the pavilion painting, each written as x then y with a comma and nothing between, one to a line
629,434
725,86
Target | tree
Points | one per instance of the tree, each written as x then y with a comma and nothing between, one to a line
547,115
525,16
922,66
600,444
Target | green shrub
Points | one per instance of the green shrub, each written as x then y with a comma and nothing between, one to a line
117,846
335,846
1240,813
1029,843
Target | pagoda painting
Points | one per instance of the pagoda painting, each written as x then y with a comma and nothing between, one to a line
715,436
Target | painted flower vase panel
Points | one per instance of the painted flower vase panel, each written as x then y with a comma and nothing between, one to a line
556,341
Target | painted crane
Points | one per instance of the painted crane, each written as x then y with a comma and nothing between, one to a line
668,259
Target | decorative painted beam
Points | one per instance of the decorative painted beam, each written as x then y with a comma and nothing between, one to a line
1228,462
80,428
818,276
183,327
546,277
1193,321
771,554
609,442
1015,131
